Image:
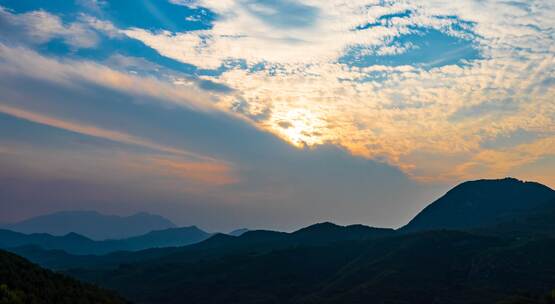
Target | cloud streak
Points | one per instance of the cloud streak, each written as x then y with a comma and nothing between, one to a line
97,132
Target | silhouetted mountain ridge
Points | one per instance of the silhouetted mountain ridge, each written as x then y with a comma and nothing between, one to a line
238,232
482,203
92,224
78,244
218,245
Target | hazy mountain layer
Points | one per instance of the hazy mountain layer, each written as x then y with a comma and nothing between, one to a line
92,224
77,244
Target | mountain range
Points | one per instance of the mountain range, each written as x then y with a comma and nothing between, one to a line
76,244
92,224
486,241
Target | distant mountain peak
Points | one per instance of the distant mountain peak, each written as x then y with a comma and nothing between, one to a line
238,232
75,236
481,203
93,224
323,226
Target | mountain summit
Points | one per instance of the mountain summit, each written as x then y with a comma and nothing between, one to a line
482,203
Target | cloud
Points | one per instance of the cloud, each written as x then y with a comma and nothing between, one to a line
171,166
283,14
101,26
74,80
434,86
490,162
39,27
93,136
382,104
97,132
444,109
19,61
136,172
292,32
492,108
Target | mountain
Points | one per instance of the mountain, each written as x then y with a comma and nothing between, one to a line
238,232
445,267
539,222
172,237
304,267
216,246
24,282
71,242
77,244
482,203
489,241
92,224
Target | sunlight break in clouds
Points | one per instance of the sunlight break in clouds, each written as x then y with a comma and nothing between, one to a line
342,73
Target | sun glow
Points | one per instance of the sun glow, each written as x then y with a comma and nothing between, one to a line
300,127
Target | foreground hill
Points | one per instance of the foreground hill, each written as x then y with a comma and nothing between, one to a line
77,244
482,203
23,282
433,267
92,224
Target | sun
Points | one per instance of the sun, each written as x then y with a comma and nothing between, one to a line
300,127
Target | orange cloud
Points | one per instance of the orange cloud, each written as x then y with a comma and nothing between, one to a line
209,173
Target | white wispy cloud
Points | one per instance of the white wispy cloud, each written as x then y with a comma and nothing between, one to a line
21,61
41,26
245,31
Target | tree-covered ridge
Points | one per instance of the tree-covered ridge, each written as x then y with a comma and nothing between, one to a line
446,267
527,298
24,282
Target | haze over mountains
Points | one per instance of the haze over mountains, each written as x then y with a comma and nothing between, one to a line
92,224
77,244
485,241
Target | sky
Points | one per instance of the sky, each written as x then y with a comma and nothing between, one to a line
270,113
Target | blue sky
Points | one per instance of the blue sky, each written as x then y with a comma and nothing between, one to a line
266,113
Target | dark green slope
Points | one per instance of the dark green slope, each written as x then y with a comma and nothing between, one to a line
445,267
481,203
539,222
434,267
24,282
